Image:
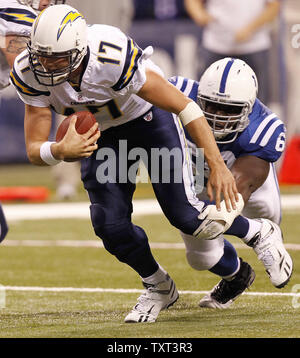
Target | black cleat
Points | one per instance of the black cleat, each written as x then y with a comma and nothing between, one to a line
225,292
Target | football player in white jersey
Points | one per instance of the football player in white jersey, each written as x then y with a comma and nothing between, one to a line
70,67
250,138
16,19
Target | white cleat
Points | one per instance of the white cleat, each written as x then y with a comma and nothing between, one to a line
154,299
268,245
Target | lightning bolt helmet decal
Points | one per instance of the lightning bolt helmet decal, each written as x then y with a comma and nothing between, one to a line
68,19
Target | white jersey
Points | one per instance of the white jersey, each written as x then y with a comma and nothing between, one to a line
15,19
114,71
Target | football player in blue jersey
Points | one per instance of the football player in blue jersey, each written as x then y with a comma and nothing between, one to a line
250,138
70,67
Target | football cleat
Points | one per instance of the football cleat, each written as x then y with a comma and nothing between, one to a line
154,299
225,292
268,245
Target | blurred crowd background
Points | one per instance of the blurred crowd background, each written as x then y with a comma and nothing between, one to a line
184,34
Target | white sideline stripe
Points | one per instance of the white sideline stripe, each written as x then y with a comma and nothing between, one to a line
99,244
81,210
128,290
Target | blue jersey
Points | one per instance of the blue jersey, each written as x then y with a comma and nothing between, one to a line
264,137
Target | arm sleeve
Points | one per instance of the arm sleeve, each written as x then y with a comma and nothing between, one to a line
31,94
271,145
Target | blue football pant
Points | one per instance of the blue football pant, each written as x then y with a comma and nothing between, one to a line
111,201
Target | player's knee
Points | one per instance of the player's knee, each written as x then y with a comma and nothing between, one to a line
202,260
185,225
110,230
120,237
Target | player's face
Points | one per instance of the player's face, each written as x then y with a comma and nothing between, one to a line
43,4
219,109
54,63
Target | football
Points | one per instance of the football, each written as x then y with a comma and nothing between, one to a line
85,120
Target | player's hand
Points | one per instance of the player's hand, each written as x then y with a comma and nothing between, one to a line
221,182
77,146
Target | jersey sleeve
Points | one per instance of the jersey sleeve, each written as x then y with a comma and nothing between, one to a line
133,72
267,143
16,21
28,89
187,86
120,63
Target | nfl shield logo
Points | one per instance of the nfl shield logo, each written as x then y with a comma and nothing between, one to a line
148,117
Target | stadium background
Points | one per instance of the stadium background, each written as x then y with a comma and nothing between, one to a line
175,39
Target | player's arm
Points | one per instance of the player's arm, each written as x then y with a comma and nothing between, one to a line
37,126
14,45
163,94
250,173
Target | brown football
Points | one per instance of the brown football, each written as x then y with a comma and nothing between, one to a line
85,120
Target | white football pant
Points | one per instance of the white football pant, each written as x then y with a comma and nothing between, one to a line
263,203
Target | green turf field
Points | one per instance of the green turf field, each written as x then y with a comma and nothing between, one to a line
100,314
39,268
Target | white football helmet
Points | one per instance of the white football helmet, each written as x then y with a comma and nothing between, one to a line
59,32
226,94
35,4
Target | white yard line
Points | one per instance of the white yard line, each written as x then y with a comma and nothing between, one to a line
80,210
127,290
69,210
99,244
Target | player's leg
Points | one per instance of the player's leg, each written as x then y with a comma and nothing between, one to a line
178,200
265,204
219,257
3,225
111,209
173,183
266,239
265,201
263,235
170,170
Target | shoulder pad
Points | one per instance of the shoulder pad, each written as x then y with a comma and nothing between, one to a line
21,76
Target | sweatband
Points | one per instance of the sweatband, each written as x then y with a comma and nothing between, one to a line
46,154
191,112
